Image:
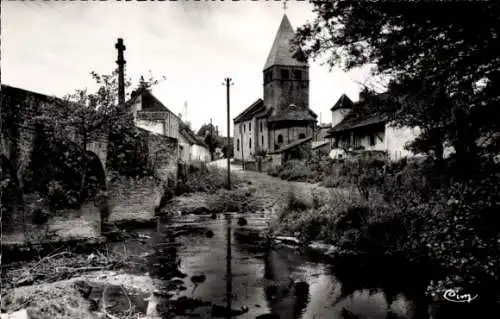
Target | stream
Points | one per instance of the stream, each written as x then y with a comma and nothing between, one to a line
278,281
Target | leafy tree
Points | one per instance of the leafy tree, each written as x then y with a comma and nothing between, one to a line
211,138
436,54
443,62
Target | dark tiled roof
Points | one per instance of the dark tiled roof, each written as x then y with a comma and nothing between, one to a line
364,113
321,144
292,145
190,136
282,52
344,102
149,102
293,113
249,112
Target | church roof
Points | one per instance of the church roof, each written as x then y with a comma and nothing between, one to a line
282,51
293,113
250,112
344,102
292,145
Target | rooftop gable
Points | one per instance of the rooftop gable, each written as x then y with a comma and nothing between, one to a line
282,52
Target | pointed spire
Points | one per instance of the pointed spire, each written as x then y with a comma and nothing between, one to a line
281,52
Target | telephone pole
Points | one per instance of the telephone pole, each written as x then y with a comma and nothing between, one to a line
228,82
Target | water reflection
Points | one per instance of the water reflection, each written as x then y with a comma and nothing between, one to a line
281,282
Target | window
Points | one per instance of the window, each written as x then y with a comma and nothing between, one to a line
250,143
280,139
268,76
372,139
297,74
284,74
262,139
250,127
238,145
261,126
244,128
301,136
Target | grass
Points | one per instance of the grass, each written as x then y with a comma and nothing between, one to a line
194,178
237,200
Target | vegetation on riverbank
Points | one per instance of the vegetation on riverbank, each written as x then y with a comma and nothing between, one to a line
417,213
198,177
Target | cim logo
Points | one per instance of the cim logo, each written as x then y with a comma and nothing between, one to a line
453,296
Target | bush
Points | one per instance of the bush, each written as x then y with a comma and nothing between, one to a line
238,200
200,178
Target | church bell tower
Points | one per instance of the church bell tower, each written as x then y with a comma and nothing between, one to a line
286,72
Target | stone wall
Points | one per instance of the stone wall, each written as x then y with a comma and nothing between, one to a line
133,198
164,154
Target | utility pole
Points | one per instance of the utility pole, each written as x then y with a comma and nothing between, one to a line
229,275
228,83
121,72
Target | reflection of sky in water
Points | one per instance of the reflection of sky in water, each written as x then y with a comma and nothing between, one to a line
202,255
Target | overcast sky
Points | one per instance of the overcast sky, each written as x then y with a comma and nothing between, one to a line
50,47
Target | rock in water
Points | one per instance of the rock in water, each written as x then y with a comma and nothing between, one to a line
242,221
197,279
268,316
209,234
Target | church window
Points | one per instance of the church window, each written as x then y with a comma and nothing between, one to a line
262,139
250,143
297,74
244,128
280,139
237,144
261,126
250,127
301,136
268,76
284,74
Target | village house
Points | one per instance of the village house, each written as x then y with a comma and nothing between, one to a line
356,130
151,115
282,122
192,147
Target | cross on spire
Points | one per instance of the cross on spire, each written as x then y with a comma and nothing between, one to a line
284,5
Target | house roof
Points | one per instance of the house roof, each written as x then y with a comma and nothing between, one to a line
293,113
149,102
344,102
363,114
282,51
292,145
190,136
319,144
251,111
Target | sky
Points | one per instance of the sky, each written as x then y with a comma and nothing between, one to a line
51,48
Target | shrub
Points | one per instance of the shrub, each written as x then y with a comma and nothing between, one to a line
237,200
200,178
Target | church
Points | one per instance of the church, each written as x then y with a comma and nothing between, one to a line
281,123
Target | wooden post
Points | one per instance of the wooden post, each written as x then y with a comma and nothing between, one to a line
228,84
229,279
157,224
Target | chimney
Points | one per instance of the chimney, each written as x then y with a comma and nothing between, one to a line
121,72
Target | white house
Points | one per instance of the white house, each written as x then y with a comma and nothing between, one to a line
150,114
356,130
192,147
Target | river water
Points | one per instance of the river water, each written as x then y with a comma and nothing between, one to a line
264,281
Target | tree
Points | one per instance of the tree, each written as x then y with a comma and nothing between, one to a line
436,54
210,135
443,61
